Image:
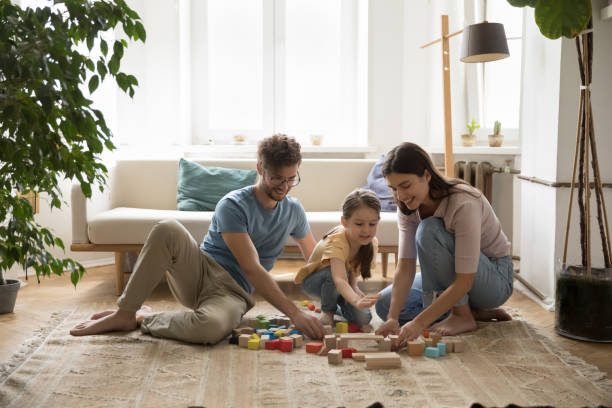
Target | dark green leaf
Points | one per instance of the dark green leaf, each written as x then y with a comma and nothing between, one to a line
523,3
142,34
567,18
103,47
93,83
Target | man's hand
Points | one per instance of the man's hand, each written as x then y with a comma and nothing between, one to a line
391,326
366,301
309,325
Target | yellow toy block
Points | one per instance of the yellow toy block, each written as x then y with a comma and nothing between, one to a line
254,344
279,333
305,302
255,336
341,327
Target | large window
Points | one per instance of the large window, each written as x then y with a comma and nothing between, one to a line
502,79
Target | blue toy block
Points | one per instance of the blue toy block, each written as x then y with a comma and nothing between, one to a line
269,333
294,332
273,337
432,352
442,348
282,327
273,326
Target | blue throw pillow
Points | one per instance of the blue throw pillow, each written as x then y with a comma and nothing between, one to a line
201,187
376,182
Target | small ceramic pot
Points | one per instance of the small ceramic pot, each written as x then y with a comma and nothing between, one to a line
496,140
468,139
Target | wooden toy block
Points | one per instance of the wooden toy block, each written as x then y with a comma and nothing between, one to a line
432,352
361,336
298,340
284,321
394,341
243,340
429,342
272,344
253,344
354,328
425,334
305,302
324,350
435,337
313,347
377,361
458,346
330,341
341,327
442,348
263,340
318,310
347,352
416,347
341,343
328,329
384,345
449,344
334,357
359,356
285,345
311,307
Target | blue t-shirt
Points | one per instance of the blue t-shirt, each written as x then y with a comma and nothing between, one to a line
239,211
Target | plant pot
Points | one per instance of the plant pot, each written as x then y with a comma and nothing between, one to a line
8,295
468,140
583,303
496,140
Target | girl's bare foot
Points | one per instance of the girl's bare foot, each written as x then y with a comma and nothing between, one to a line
327,318
459,321
491,315
143,312
118,320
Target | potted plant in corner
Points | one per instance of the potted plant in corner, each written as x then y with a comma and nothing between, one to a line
496,139
469,139
49,129
583,296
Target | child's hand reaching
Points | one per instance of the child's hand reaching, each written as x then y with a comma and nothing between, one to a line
366,301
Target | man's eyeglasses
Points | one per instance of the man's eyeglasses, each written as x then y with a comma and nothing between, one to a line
276,181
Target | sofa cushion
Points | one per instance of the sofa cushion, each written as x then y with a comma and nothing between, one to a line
201,187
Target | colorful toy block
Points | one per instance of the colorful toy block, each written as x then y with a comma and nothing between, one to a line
305,302
253,344
347,352
442,348
298,340
313,347
272,344
328,329
286,345
334,357
341,327
263,340
425,334
432,352
311,307
354,328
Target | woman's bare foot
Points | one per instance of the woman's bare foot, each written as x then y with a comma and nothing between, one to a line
491,315
143,312
327,318
459,321
118,320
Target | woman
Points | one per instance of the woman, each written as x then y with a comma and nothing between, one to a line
464,255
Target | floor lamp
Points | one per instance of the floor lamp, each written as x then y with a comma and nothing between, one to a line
482,42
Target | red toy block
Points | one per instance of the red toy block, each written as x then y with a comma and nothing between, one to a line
354,328
286,346
313,347
348,352
425,334
311,306
273,344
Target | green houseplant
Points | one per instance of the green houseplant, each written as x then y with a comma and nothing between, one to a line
49,129
583,292
496,139
469,139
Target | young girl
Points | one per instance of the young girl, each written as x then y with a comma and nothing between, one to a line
344,253
463,253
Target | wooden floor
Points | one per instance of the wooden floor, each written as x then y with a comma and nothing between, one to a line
35,303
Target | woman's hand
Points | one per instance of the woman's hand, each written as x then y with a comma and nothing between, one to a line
391,326
366,301
409,332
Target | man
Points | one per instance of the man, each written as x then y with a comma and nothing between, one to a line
248,232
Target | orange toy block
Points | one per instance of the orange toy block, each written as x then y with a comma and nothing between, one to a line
313,347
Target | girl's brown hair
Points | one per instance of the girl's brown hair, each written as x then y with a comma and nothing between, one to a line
355,200
410,158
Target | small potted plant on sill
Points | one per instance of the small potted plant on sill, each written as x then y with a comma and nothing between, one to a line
469,139
496,139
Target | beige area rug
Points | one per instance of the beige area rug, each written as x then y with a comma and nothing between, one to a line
504,363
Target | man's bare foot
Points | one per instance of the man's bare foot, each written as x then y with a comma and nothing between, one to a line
118,320
459,321
491,315
143,312
327,318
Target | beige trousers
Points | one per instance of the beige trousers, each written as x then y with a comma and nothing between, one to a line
195,279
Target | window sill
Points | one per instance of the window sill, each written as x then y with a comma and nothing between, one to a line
478,150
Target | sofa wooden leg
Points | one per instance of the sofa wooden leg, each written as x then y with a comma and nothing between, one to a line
385,261
119,266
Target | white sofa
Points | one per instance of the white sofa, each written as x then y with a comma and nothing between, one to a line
142,192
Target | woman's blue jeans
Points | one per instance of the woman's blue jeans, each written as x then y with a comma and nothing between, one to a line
492,285
320,285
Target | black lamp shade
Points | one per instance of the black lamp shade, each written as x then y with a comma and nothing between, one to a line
484,42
